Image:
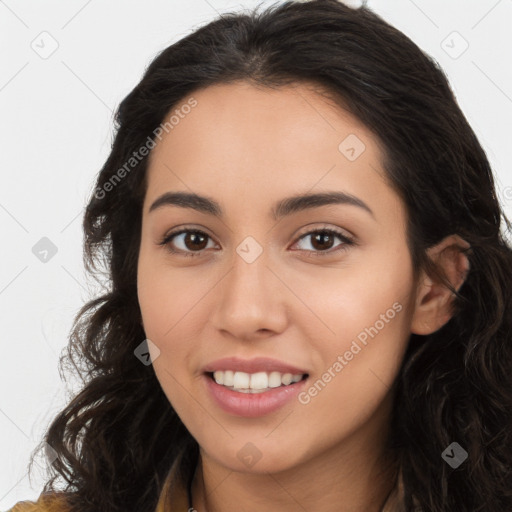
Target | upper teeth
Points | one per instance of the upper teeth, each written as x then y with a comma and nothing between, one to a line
260,380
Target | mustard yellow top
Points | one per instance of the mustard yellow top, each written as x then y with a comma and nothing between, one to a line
173,498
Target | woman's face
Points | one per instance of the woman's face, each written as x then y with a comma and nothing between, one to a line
262,280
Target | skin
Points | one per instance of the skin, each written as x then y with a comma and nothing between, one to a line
247,148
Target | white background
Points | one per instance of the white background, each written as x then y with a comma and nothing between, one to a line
56,130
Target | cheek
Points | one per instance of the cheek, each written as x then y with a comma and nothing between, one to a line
173,306
367,312
166,296
163,310
351,298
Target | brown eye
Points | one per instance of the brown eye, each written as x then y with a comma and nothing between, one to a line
322,241
192,243
194,240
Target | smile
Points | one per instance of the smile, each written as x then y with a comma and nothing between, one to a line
251,402
254,382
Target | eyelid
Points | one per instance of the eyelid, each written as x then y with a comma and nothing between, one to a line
327,227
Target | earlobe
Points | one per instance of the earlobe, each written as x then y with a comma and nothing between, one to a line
434,300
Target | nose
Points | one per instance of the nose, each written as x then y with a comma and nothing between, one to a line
251,300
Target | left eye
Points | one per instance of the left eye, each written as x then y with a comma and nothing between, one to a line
195,239
322,237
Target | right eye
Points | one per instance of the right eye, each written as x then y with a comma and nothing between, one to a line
193,237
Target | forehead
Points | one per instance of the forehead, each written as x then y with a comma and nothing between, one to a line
240,140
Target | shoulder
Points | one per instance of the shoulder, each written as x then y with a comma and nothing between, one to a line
45,503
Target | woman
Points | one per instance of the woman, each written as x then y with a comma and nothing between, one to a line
370,373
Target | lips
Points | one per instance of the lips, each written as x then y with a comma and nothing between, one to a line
248,405
257,364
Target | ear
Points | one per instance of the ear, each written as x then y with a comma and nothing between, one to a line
434,301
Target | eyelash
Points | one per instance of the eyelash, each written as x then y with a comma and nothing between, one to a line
347,242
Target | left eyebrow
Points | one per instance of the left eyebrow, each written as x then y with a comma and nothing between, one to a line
282,208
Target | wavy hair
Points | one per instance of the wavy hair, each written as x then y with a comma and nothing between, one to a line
118,436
